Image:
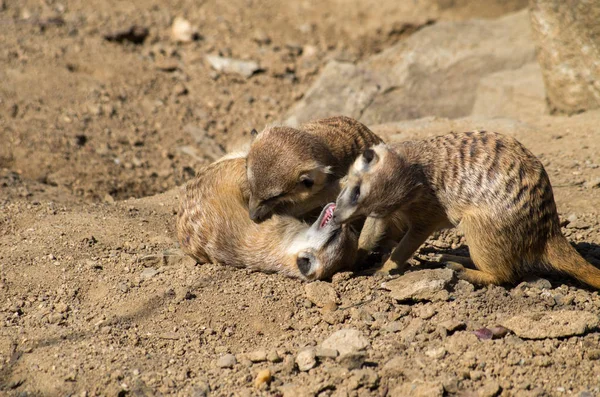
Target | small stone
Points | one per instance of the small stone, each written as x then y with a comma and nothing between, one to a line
134,34
464,287
226,361
320,293
229,65
183,31
306,359
419,285
352,361
489,389
273,356
257,356
263,377
436,353
499,332
537,282
558,324
346,341
148,273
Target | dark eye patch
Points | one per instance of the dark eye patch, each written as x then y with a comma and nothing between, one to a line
308,183
355,194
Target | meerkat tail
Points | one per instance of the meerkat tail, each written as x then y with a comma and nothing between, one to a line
563,257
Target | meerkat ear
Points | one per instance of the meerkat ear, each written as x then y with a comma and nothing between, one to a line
306,180
370,158
317,175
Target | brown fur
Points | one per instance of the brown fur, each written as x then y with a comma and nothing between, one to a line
487,184
282,158
213,226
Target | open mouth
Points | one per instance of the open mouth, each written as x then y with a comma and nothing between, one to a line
328,215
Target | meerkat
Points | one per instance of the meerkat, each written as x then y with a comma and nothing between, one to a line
487,184
294,171
213,226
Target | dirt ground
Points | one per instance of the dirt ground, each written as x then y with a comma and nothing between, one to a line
95,136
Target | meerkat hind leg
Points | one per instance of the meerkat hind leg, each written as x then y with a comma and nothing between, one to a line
493,260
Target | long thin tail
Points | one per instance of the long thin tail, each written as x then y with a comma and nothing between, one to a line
563,257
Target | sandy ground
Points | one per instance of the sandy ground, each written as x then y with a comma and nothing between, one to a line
95,298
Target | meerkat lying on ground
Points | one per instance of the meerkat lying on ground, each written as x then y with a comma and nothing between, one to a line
294,171
487,184
213,226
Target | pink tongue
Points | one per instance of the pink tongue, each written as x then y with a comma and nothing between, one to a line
328,214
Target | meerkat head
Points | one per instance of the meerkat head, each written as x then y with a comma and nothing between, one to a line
377,181
325,248
284,166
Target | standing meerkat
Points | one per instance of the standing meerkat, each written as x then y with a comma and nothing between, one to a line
489,185
213,226
294,171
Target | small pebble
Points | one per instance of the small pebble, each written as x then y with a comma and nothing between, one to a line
306,359
257,356
263,377
273,356
226,361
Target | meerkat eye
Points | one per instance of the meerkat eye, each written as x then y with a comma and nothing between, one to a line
308,182
355,194
253,132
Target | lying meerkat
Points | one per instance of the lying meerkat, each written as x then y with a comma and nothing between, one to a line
487,184
213,226
294,171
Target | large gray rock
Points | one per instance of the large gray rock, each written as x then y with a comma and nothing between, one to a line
517,94
567,35
419,285
435,71
557,324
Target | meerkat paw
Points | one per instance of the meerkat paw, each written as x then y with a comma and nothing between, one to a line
457,267
389,266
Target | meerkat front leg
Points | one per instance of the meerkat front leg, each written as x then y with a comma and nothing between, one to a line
409,244
371,234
